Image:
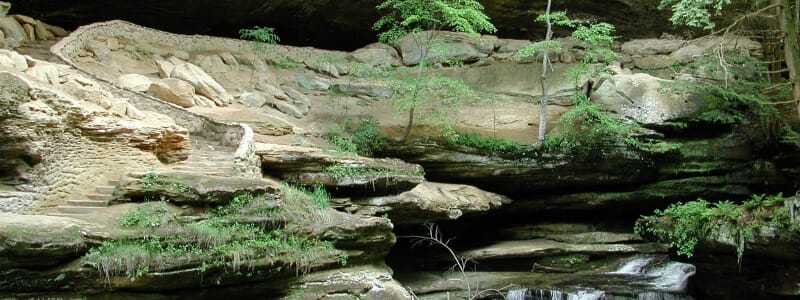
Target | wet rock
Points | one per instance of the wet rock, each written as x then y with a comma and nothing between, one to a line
542,247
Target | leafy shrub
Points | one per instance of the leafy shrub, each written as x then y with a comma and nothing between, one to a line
587,125
490,143
362,137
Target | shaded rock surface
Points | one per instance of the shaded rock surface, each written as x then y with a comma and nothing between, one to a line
190,189
339,172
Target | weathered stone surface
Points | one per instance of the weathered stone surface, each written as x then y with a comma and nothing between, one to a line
363,88
56,30
14,33
157,134
298,99
135,82
271,90
287,108
431,201
189,189
34,242
313,82
42,33
14,201
642,98
354,232
174,91
654,62
203,83
254,100
368,282
210,63
164,68
377,55
358,175
4,8
542,247
44,72
644,47
13,60
523,175
99,49
450,46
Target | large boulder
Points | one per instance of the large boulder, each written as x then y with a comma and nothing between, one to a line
203,83
431,201
642,98
443,46
377,55
174,91
645,47
12,31
135,82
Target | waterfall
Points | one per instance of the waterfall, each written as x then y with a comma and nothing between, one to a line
542,294
633,267
672,277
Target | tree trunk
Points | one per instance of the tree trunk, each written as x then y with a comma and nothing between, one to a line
543,80
788,20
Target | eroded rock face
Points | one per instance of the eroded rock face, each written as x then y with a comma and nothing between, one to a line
372,282
203,83
37,242
340,173
644,99
431,201
450,46
190,189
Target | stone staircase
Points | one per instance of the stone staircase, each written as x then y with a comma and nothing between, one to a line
95,201
212,162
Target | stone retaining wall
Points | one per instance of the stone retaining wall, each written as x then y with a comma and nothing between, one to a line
235,135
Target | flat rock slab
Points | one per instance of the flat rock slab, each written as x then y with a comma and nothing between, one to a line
35,241
340,173
430,201
543,247
190,189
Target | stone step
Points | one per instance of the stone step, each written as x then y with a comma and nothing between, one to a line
78,209
100,197
202,158
105,189
114,182
92,203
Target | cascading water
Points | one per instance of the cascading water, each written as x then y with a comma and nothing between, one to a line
637,279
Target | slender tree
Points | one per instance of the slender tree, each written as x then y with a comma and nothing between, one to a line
414,16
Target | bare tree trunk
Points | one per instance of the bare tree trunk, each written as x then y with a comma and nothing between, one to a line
543,80
788,21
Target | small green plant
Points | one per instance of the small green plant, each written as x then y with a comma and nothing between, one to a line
344,171
587,125
152,180
362,138
685,225
262,37
488,143
147,215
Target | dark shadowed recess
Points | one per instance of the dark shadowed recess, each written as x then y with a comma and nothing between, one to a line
327,24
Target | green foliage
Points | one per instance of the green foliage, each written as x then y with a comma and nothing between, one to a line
262,35
493,144
587,125
694,13
317,196
362,138
731,87
344,171
152,180
147,215
218,242
407,16
684,225
550,46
